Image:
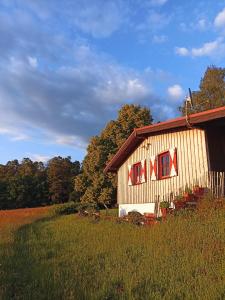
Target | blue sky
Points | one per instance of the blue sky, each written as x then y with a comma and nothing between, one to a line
66,67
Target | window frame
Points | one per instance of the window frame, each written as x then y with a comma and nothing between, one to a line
137,166
160,165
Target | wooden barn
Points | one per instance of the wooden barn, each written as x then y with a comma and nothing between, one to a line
158,161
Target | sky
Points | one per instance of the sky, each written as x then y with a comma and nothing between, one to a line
66,67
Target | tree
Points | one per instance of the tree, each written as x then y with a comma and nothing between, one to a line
61,173
92,184
30,184
211,93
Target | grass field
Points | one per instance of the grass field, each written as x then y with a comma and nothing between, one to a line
70,257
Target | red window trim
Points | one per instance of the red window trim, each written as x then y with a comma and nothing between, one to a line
160,176
134,173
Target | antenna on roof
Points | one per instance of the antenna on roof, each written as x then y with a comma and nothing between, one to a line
188,100
189,97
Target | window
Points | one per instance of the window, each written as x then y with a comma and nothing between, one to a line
164,165
137,173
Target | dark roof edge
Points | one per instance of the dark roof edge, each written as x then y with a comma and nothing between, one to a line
140,133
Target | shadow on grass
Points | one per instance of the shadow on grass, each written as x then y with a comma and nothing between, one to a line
24,272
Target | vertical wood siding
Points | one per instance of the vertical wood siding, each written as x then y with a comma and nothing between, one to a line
192,166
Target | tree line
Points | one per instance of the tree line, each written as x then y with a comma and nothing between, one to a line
30,183
33,183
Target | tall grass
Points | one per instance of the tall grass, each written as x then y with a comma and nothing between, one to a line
74,258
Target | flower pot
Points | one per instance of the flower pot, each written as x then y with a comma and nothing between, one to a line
179,205
188,197
164,211
199,191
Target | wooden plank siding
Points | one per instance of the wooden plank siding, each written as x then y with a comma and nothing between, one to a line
192,160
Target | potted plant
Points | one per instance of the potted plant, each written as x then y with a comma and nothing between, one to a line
164,206
179,202
188,195
198,191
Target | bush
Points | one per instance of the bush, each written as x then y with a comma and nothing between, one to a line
164,204
87,208
74,197
135,218
66,208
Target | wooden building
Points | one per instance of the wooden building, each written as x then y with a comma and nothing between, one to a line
158,161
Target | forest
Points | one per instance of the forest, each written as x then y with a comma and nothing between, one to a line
30,183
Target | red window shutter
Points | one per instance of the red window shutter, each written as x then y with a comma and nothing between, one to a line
130,174
143,171
153,168
173,162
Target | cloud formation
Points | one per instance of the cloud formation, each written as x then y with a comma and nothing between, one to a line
219,21
158,2
211,49
54,83
175,92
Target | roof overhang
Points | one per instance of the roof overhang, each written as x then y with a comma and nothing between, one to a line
140,134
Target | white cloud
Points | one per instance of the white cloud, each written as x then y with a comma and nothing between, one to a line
207,49
158,2
39,157
159,39
175,92
20,137
68,103
32,61
71,140
13,133
182,51
71,91
201,24
211,49
220,19
154,22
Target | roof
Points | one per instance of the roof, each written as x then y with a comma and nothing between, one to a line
140,134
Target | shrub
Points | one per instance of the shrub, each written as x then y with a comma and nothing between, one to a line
164,204
135,218
87,208
74,197
66,208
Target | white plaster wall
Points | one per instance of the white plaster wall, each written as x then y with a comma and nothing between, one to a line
141,208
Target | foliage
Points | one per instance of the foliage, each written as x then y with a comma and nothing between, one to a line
135,218
72,258
65,209
188,189
92,184
211,93
61,173
87,208
30,184
179,198
164,204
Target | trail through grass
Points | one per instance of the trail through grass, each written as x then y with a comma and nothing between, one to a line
73,258
10,222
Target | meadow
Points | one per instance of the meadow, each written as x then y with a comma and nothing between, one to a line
72,257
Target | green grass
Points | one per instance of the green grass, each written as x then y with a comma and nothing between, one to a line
69,257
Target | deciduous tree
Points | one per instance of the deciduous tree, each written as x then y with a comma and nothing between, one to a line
92,184
211,93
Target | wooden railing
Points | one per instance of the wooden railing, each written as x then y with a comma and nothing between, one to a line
213,182
216,184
